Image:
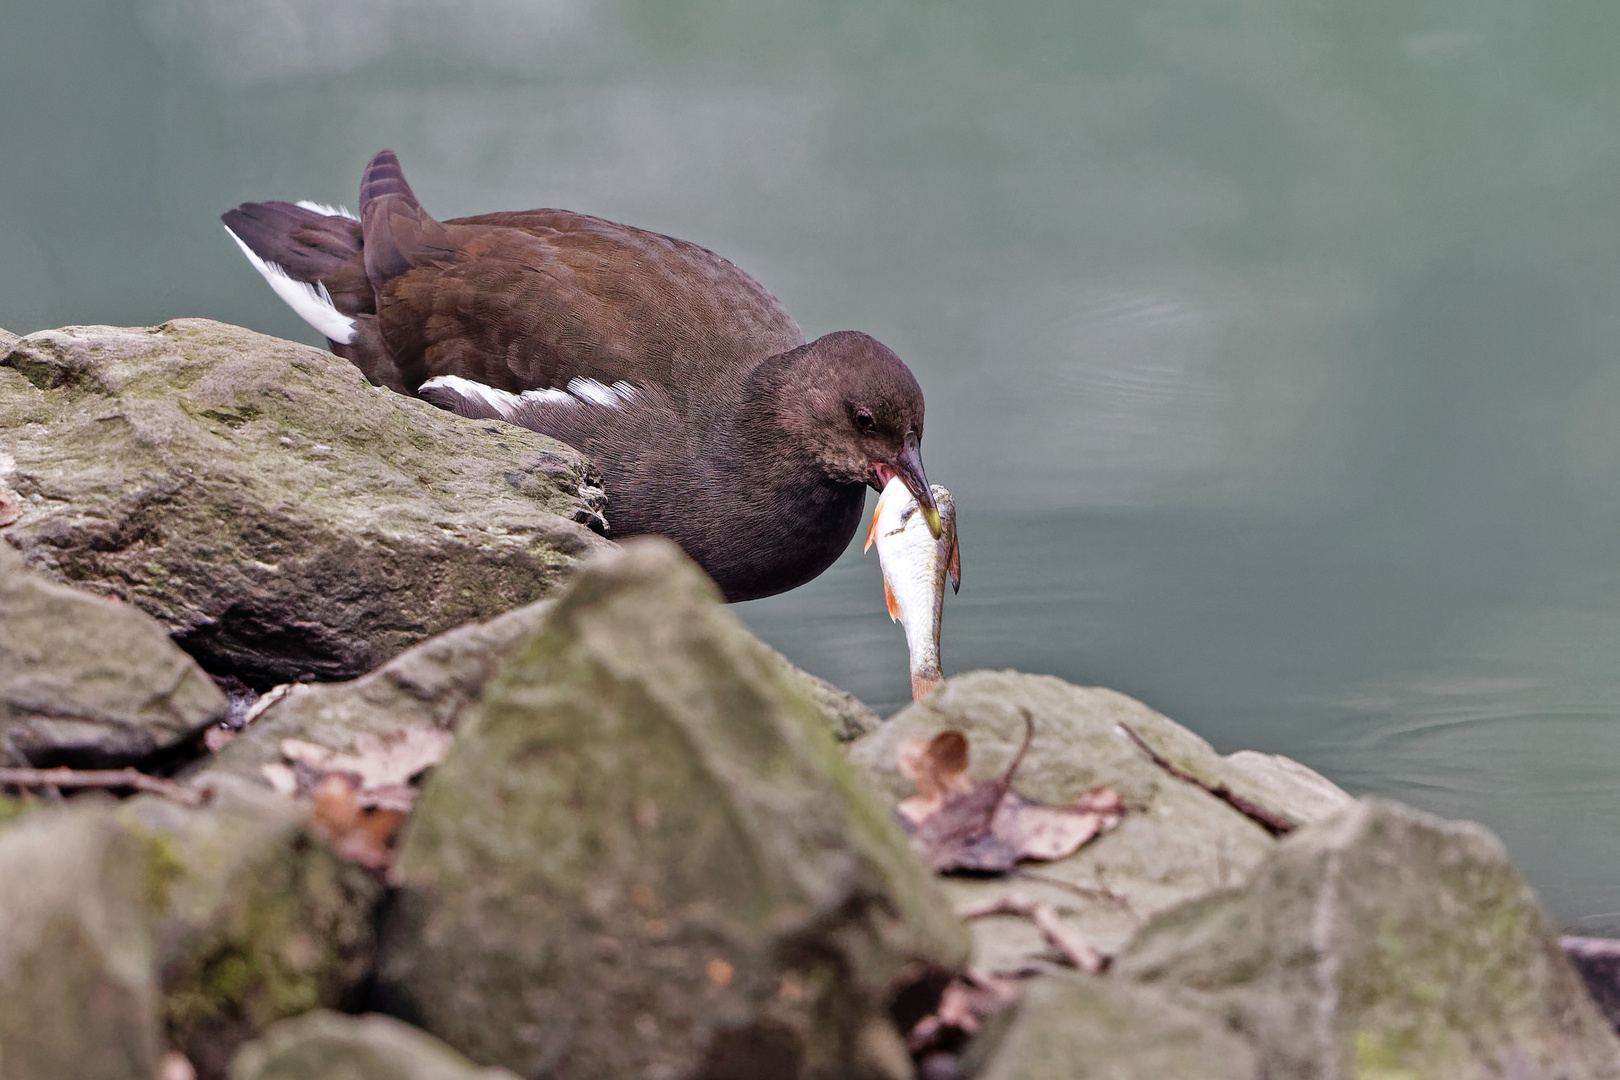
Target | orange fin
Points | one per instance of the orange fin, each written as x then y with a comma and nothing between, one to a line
888,598
871,534
954,567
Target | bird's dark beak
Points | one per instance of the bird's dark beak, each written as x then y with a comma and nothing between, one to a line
909,468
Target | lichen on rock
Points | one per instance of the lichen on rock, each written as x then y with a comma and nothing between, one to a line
254,921
1383,942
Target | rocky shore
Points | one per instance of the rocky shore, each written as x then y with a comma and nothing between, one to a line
440,783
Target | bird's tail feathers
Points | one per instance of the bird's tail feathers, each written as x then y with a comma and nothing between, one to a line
384,176
311,258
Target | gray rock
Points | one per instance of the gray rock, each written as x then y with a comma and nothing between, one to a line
90,681
1383,942
427,685
78,992
280,515
331,1046
1282,784
253,920
1092,1028
848,717
431,684
1177,841
646,857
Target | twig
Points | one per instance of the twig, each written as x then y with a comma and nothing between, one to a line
105,778
1004,785
1271,821
1079,890
1074,948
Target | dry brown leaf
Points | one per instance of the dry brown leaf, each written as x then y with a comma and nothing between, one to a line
360,798
937,767
986,827
360,834
377,762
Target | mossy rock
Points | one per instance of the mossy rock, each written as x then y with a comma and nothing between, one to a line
646,856
78,987
278,514
432,684
253,919
1384,944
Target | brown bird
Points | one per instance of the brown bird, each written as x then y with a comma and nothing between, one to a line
710,419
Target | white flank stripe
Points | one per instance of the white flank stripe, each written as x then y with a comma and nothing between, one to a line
550,397
503,402
312,302
329,211
579,392
595,393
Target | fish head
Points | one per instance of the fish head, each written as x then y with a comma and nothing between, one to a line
907,467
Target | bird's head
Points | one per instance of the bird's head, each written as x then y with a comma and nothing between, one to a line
855,406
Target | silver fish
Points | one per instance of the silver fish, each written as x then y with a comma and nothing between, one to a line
915,566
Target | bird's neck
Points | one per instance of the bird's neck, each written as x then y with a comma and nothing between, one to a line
786,501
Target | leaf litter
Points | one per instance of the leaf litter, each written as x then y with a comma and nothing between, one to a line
985,827
360,798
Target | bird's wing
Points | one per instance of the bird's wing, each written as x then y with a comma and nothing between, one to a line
532,300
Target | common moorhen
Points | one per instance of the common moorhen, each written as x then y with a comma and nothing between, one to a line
710,419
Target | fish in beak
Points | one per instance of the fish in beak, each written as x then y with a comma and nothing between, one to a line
916,565
908,467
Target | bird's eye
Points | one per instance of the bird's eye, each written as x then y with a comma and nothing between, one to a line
864,421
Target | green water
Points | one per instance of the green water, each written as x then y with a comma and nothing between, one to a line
1270,347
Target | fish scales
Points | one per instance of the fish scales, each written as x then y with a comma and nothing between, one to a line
915,569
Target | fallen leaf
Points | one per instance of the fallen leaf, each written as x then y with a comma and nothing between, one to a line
357,833
986,827
361,797
381,766
937,767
